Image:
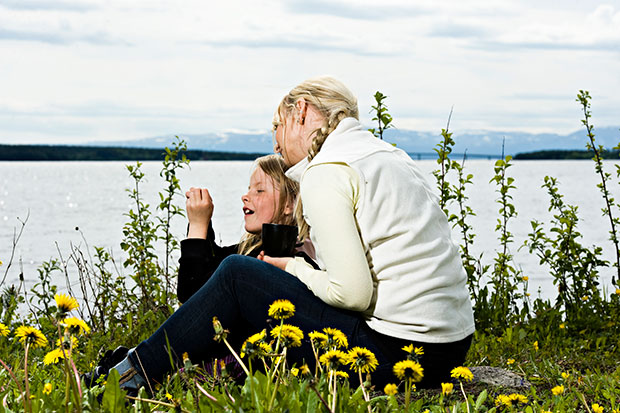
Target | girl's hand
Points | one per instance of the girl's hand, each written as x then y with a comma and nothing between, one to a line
279,262
199,206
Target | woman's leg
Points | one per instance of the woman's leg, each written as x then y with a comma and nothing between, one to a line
239,294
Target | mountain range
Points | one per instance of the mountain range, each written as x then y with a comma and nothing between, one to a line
482,143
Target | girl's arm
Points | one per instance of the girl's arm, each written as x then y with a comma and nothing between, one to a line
200,255
199,260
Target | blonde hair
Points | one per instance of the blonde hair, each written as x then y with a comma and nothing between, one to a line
334,101
274,167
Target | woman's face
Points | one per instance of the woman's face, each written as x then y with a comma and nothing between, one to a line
292,140
261,201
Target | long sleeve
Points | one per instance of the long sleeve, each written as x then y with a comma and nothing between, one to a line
329,193
199,259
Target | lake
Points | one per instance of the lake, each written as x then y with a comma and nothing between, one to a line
84,204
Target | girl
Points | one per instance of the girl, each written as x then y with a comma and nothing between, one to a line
390,274
270,199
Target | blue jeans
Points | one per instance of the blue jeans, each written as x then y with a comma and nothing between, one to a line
239,294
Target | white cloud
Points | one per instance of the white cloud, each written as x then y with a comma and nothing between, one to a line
117,69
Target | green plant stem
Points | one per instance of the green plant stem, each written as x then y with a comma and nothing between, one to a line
313,387
236,356
366,397
464,395
19,387
407,393
584,97
26,381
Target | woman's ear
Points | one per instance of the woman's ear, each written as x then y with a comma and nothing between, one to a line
301,107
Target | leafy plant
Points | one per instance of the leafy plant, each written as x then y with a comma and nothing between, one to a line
383,118
583,97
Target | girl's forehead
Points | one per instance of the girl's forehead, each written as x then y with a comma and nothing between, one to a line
259,177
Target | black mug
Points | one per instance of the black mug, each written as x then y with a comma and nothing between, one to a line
279,240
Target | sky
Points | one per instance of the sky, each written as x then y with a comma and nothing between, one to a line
78,71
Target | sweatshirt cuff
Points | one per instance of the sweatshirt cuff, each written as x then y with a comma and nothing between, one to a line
193,247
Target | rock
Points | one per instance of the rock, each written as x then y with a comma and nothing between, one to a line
499,377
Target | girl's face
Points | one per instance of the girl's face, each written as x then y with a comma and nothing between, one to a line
261,201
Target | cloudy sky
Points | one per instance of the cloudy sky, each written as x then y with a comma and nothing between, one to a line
73,71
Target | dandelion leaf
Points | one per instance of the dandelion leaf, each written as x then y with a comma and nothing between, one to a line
113,396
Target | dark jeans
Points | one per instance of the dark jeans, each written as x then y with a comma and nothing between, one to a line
239,294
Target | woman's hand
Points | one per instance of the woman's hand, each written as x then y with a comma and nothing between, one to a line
199,206
279,262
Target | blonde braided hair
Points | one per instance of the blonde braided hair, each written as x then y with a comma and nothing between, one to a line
334,101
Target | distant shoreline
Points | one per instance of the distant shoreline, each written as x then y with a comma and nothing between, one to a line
118,153
109,153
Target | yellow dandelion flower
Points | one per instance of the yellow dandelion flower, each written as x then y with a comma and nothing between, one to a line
4,330
65,303
562,326
447,388
47,389
390,389
596,408
618,291
295,371
333,359
185,357
281,309
341,374
510,361
336,338
53,356
525,278
565,375
66,343
258,348
518,398
419,351
168,396
319,339
76,325
409,369
585,298
462,373
557,390
535,345
31,335
362,360
503,401
252,347
291,336
305,370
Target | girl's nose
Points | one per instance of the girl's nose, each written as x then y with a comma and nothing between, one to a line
245,198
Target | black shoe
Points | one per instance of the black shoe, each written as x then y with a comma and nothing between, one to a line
110,359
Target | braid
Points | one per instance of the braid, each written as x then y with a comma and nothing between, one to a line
335,102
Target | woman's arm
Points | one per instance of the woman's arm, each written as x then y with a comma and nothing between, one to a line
330,193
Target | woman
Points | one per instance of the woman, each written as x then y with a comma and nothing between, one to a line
390,275
270,199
